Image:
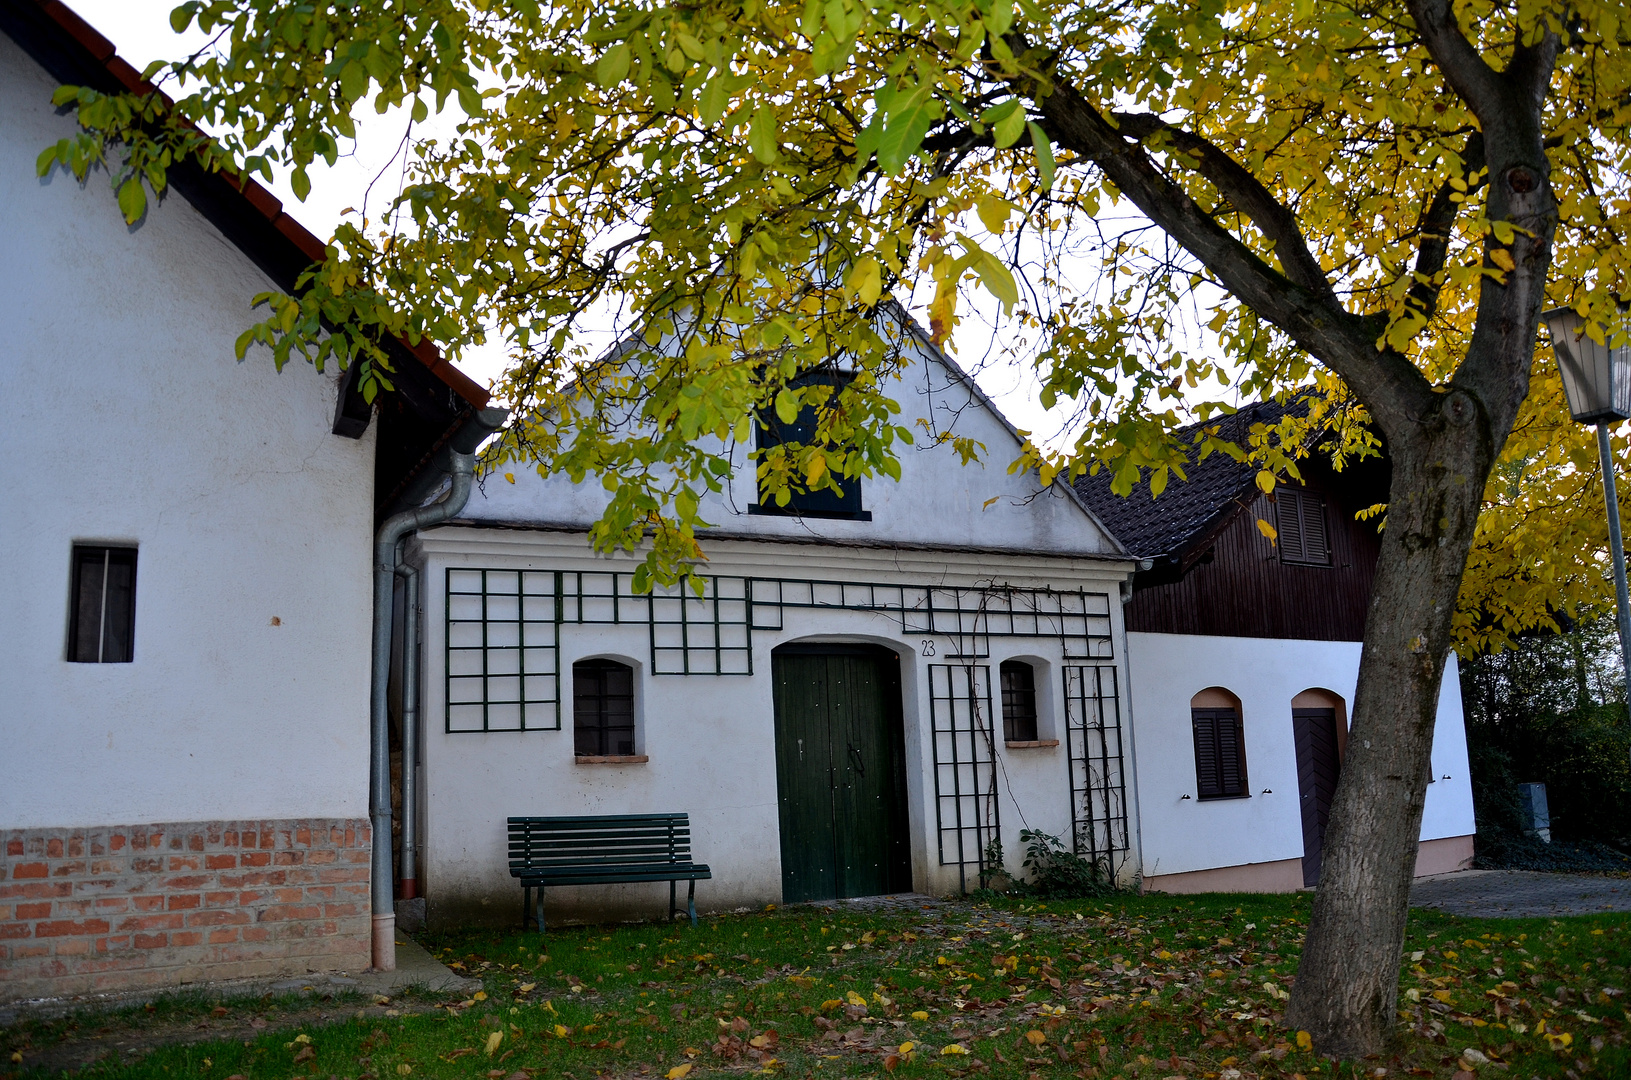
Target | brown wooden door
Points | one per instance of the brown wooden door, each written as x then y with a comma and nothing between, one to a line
1318,766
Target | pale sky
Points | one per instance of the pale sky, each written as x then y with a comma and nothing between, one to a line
140,29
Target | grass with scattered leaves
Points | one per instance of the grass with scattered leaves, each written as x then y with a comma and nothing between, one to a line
1149,987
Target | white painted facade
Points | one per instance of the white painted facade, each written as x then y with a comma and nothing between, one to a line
1182,834
126,419
710,738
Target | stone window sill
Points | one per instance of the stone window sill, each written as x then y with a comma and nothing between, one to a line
611,759
1030,744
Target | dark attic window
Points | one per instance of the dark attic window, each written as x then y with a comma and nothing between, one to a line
1300,522
102,620
845,503
1018,701
602,708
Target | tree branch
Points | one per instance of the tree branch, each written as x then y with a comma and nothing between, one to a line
1244,192
1385,380
1436,224
1476,82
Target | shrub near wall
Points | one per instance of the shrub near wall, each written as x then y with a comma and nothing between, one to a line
120,908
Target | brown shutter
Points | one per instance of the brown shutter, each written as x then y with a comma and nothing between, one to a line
1220,753
1316,543
1288,520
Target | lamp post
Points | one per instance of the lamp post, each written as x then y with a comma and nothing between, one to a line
1597,384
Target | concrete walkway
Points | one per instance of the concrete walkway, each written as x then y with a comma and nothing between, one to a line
1520,894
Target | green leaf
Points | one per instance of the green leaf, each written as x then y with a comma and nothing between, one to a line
714,97
132,200
353,80
1000,18
1007,121
1044,155
181,17
420,110
910,113
47,158
787,406
613,67
762,135
996,277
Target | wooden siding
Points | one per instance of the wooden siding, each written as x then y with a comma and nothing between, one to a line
1238,587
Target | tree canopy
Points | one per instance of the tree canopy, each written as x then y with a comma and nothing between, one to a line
753,178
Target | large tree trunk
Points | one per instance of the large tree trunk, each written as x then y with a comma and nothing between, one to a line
1347,982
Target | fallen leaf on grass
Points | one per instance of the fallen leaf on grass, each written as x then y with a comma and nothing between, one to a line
492,1042
678,1072
953,1048
307,1052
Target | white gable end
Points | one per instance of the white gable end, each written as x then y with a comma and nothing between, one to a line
938,502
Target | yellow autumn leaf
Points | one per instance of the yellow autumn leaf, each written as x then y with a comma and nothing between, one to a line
1503,258
1305,1041
906,1047
562,1031
479,995
492,1042
920,1015
678,1072
510,476
1035,1038
953,1048
854,998
404,1069
865,281
1268,531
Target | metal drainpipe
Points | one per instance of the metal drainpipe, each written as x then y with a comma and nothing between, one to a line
395,528
410,729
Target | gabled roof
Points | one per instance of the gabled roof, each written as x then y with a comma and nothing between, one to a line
71,50
1189,511
432,398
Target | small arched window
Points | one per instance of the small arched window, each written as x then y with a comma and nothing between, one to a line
603,708
1220,745
1018,701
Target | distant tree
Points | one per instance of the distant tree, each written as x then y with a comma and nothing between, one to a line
1365,194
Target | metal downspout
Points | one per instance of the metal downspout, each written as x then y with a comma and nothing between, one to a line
462,470
409,873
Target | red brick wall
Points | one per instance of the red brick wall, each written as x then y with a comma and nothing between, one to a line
128,907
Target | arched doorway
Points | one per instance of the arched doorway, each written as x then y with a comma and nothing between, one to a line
840,771
1319,728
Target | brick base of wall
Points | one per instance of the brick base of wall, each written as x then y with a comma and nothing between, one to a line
141,906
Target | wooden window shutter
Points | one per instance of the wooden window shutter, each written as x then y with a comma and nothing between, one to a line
1300,522
1220,754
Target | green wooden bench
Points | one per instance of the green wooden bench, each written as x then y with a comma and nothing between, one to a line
602,849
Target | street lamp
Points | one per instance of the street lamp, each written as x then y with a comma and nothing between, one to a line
1597,384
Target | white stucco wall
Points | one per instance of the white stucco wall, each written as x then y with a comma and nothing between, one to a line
711,738
938,500
1180,834
125,418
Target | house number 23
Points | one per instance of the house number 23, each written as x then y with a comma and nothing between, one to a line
928,647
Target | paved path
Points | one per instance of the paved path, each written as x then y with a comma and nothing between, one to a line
1520,894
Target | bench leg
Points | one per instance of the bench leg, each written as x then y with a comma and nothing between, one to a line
526,906
691,900
539,911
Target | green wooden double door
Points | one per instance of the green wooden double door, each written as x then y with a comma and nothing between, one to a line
840,772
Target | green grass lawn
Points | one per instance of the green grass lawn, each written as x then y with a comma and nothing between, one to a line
1151,987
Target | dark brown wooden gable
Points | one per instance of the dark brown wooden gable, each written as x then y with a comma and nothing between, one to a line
1237,585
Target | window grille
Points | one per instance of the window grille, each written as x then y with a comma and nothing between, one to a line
602,708
1220,754
102,619
689,635
503,650
1098,780
1300,527
965,775
1018,701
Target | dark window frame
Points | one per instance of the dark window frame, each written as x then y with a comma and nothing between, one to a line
824,503
1295,510
101,607
1216,731
594,713
1019,712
